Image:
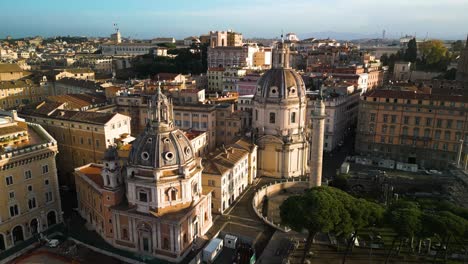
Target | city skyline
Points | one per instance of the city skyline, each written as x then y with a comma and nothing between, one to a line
147,19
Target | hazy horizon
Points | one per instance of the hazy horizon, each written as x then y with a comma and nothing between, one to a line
145,19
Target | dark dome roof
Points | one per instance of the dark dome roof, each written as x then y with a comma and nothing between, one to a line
280,83
111,154
160,149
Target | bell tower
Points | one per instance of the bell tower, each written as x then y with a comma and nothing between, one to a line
111,173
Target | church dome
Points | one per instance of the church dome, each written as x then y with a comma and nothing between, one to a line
280,83
161,145
161,149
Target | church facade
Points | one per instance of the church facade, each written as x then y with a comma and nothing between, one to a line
155,205
279,119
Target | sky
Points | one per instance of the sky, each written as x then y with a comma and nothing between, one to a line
144,19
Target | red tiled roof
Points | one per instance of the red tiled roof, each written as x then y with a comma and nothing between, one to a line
415,95
93,173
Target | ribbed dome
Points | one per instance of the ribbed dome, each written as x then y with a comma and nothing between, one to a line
161,149
280,83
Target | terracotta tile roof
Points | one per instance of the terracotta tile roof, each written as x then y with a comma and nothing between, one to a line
93,172
51,110
41,108
77,101
79,70
11,129
165,76
17,84
10,67
85,117
415,95
223,160
92,85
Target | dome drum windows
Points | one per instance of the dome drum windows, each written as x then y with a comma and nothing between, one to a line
274,91
187,151
292,90
168,156
145,155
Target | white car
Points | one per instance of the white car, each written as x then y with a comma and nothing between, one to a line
53,243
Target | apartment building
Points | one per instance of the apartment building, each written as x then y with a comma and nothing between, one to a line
21,92
215,79
341,110
83,137
227,173
201,117
75,86
10,72
413,127
77,73
30,200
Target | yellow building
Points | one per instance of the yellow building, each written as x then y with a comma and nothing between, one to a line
215,79
21,92
10,72
77,73
83,137
30,200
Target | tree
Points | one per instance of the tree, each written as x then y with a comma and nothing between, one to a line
326,209
446,226
405,219
315,211
341,182
434,55
411,53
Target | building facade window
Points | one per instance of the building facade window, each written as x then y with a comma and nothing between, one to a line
272,118
27,174
45,169
49,197
9,180
14,210
32,203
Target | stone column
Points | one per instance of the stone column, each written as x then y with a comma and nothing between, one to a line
318,121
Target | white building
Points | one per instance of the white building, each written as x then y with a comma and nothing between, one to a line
341,111
132,49
232,56
402,71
